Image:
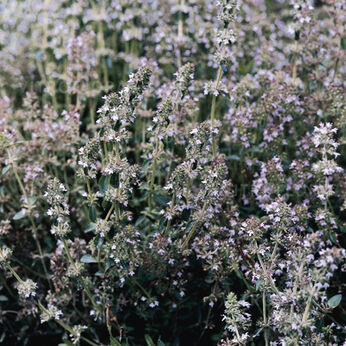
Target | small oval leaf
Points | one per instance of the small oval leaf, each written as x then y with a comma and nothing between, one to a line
103,182
5,170
334,301
92,213
88,259
20,215
115,180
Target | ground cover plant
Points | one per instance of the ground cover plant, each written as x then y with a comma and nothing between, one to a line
172,172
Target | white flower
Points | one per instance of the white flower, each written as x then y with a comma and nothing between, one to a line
27,288
5,253
52,312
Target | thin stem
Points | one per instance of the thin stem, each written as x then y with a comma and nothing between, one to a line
295,288
265,318
4,283
80,277
89,191
141,287
153,173
328,314
28,268
307,308
65,326
35,233
272,284
14,273
92,107
294,72
193,229
106,151
275,249
103,225
117,159
117,211
236,331
213,107
101,46
171,209
108,215
180,33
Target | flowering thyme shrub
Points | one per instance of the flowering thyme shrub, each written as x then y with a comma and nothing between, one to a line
172,172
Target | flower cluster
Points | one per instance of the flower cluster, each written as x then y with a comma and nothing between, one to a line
59,210
119,108
5,254
182,150
27,288
237,320
51,312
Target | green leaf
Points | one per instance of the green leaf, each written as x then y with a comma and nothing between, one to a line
149,340
92,213
67,342
114,341
90,227
332,237
146,164
161,199
103,183
5,170
209,280
109,62
234,157
185,215
170,143
162,222
189,226
32,200
104,204
88,259
144,186
140,220
115,180
117,126
21,214
258,284
2,337
334,301
98,241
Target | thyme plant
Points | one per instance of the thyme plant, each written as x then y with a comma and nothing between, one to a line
172,172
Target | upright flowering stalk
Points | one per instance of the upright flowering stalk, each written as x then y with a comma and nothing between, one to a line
29,205
118,174
26,288
225,37
236,319
158,132
116,115
302,16
326,146
164,125
57,198
81,75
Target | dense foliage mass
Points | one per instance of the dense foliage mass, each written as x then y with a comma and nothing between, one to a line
172,172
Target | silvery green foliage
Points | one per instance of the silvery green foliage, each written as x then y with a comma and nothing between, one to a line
236,318
172,172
